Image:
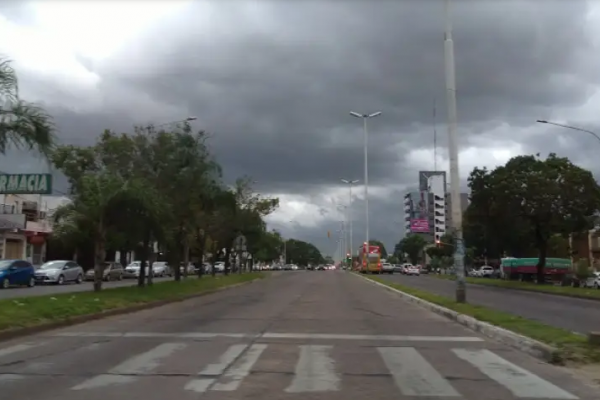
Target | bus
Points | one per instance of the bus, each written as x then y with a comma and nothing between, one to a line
370,261
525,269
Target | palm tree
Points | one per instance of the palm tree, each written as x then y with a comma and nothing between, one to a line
22,124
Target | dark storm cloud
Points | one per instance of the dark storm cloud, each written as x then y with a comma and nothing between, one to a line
275,82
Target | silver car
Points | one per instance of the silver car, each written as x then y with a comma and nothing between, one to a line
59,272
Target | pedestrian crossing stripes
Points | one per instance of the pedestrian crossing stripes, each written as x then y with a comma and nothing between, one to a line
316,369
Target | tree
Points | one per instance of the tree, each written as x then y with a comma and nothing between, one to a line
302,253
529,200
268,247
413,246
374,242
22,124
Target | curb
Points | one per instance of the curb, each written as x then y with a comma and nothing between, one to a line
523,343
569,295
9,334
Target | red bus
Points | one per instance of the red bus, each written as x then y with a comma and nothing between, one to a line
370,261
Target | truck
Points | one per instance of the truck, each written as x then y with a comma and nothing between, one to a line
370,259
525,269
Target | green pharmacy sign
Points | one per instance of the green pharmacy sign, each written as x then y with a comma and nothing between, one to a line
25,184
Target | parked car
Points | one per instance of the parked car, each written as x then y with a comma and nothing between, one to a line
133,269
161,269
412,270
59,272
112,271
593,281
16,272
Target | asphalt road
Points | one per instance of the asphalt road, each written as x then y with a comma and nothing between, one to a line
303,335
576,315
41,290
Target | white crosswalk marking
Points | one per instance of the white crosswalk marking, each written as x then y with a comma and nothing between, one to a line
315,371
519,381
137,365
226,359
413,375
240,369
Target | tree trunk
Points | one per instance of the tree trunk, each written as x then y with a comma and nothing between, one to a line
144,259
99,254
151,259
186,258
542,245
201,249
123,257
227,260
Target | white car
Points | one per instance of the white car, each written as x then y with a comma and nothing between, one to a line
593,281
387,268
161,269
133,270
412,270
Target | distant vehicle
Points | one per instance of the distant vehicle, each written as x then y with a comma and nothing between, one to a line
525,269
387,268
111,271
59,272
161,269
412,270
16,272
370,259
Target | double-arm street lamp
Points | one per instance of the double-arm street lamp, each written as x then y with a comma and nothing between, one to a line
366,117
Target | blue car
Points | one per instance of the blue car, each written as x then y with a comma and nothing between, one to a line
16,272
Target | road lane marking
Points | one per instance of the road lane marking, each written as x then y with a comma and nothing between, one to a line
273,335
225,360
137,365
315,371
16,349
236,374
519,381
6,378
413,374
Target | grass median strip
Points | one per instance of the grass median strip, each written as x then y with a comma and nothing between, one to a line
567,291
31,311
571,347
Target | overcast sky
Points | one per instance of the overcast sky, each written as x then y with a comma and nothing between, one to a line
274,81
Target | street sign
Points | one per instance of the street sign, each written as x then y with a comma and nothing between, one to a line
240,243
25,184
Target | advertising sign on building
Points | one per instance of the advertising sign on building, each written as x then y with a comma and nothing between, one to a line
419,226
25,184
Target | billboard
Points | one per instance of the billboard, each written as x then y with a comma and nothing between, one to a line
417,205
419,225
25,184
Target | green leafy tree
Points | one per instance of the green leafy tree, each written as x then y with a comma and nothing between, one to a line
22,124
529,200
413,246
302,253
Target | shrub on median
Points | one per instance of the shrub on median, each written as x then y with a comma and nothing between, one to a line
30,311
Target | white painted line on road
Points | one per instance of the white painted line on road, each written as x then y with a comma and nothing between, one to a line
226,359
137,365
397,338
17,348
519,381
273,335
413,375
216,369
315,371
236,374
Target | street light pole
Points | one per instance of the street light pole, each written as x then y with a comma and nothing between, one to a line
365,117
459,248
188,119
285,248
594,134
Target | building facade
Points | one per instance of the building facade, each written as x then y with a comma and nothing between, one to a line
431,204
25,224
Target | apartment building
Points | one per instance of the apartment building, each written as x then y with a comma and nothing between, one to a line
427,212
25,224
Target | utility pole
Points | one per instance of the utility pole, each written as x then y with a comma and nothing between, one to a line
459,248
349,218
